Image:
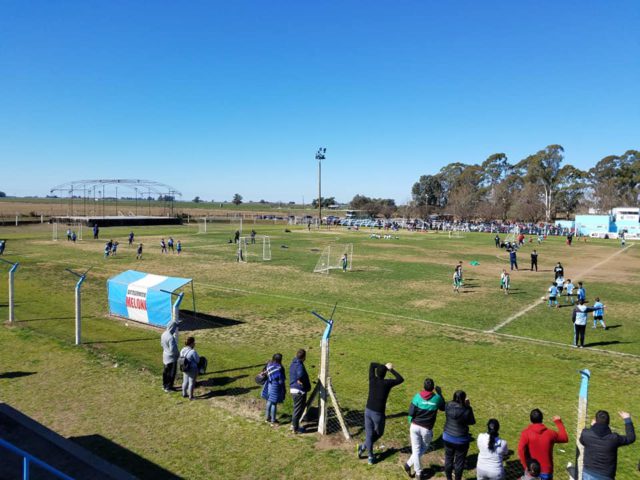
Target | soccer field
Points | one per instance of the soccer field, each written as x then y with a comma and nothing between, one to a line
510,353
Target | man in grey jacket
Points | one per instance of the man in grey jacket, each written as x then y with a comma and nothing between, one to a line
170,354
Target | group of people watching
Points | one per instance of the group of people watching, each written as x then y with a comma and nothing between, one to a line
535,446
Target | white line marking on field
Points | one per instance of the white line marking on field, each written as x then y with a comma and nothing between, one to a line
538,302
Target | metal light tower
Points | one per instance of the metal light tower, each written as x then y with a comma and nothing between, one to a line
81,278
14,267
320,155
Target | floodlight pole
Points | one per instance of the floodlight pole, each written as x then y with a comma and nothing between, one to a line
14,267
81,279
320,155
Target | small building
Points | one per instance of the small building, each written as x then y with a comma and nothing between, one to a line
593,225
623,219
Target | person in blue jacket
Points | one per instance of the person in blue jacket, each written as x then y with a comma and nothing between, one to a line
513,259
273,390
299,386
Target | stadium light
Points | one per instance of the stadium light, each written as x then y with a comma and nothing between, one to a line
14,267
320,155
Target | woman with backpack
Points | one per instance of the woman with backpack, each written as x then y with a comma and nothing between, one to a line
459,415
188,363
492,450
274,387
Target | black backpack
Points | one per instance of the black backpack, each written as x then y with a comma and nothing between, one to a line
183,363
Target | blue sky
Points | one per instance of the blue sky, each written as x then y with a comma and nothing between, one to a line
222,97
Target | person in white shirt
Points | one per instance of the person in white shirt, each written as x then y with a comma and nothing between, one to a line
491,452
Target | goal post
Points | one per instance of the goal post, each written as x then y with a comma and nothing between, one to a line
241,250
202,224
513,234
266,248
456,234
332,257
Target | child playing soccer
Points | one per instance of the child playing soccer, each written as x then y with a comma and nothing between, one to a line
506,283
178,247
456,281
139,252
569,288
553,294
598,314
344,261
560,284
582,293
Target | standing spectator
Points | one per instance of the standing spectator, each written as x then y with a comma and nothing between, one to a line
513,258
601,446
299,386
170,245
179,247
163,246
579,318
273,390
170,354
459,415
96,231
131,236
374,413
491,452
139,252
558,270
423,411
537,441
598,314
534,260
190,373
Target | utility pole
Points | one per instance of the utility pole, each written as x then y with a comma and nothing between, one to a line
320,155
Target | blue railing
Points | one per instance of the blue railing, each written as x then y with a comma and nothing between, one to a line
28,459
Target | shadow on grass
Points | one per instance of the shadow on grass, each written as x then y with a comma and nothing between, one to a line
611,327
259,365
219,381
123,458
191,321
16,374
121,341
227,392
604,344
44,319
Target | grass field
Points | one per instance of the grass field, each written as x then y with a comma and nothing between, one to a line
396,305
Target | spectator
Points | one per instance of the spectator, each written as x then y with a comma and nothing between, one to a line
374,413
170,354
299,386
601,446
459,415
513,259
190,373
532,472
579,318
253,236
491,452
273,390
423,411
537,441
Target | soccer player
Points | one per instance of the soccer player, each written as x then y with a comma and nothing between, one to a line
497,240
560,285
569,287
374,413
179,247
582,293
558,270
598,314
506,283
3,243
344,260
456,281
459,268
513,259
139,252
114,248
553,294
131,238
534,260
170,244
163,246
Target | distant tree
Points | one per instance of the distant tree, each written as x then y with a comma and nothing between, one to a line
428,191
263,201
572,183
237,199
325,202
528,204
165,198
197,200
2,194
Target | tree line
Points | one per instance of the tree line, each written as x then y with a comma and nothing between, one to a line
538,187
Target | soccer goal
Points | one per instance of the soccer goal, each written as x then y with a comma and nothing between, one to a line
203,224
57,230
332,256
266,248
456,234
242,250
513,234
236,223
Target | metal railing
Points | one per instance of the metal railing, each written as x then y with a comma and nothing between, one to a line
28,459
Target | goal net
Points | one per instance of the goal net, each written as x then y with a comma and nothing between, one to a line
266,248
241,250
332,257
236,223
456,234
513,234
66,231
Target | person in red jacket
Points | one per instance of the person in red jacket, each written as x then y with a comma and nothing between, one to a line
537,441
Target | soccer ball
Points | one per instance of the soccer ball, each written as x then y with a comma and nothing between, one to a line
543,298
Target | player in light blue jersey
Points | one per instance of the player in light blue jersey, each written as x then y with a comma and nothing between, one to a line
598,314
582,293
553,294
569,288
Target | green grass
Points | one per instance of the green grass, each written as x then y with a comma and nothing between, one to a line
396,305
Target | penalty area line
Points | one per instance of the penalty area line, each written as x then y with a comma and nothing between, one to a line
538,302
